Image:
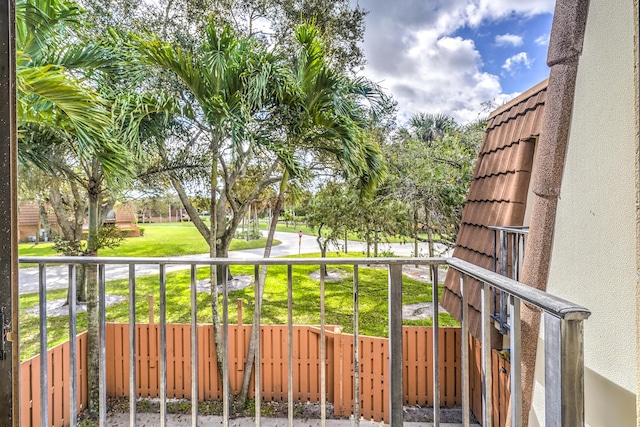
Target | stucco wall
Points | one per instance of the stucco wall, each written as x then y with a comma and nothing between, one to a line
594,259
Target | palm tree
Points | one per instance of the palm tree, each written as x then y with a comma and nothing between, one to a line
430,127
64,108
324,118
226,81
243,99
45,87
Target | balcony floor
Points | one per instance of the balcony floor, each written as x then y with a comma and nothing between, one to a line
173,420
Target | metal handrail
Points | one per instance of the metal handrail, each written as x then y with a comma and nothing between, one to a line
563,332
230,261
555,305
551,304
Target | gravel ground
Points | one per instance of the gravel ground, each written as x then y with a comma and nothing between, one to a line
305,414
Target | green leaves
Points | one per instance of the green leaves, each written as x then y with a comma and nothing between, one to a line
431,164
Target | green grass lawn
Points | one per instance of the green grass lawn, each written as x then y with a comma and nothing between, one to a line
306,302
159,240
290,228
309,231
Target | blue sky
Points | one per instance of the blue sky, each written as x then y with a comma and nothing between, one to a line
451,56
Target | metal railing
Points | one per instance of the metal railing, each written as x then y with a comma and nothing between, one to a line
562,324
509,244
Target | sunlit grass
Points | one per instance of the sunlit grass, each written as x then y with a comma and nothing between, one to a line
306,302
159,240
310,231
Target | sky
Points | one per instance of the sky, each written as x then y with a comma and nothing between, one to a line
451,56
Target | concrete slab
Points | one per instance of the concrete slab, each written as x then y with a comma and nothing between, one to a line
148,420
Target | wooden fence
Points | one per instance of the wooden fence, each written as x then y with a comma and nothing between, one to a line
58,369
500,369
374,404
274,369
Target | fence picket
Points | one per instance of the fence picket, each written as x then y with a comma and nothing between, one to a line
373,354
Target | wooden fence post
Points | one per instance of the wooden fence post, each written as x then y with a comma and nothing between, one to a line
151,308
337,371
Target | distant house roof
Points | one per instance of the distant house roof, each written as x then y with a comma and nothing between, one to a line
498,191
122,214
29,215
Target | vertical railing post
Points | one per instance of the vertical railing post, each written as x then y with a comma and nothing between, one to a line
514,360
323,354
464,351
44,370
257,357
73,379
395,344
290,343
225,346
436,347
133,390
504,267
564,371
356,349
163,345
194,346
486,327
102,331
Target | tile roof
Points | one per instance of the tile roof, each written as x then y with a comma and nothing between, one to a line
498,191
29,213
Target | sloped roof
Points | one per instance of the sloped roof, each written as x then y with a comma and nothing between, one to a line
498,192
29,213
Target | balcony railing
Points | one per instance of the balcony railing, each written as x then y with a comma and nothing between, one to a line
509,245
563,326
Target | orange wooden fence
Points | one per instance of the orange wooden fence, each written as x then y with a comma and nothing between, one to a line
58,368
274,370
500,369
418,380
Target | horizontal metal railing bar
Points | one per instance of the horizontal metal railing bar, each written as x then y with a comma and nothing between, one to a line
550,303
515,228
229,261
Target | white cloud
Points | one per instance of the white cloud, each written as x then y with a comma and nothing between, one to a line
516,61
477,11
410,50
543,40
446,77
508,40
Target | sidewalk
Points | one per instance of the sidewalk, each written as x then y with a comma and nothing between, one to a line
57,276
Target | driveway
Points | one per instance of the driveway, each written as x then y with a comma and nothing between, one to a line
57,276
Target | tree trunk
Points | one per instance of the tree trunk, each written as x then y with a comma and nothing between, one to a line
375,243
213,271
368,239
93,338
255,325
416,230
429,238
81,281
322,244
41,209
244,219
70,224
43,221
346,238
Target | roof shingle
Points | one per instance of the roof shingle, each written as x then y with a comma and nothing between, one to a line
498,192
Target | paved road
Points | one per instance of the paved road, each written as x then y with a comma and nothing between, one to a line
57,276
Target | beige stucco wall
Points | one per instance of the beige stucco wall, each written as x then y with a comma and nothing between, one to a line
594,259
